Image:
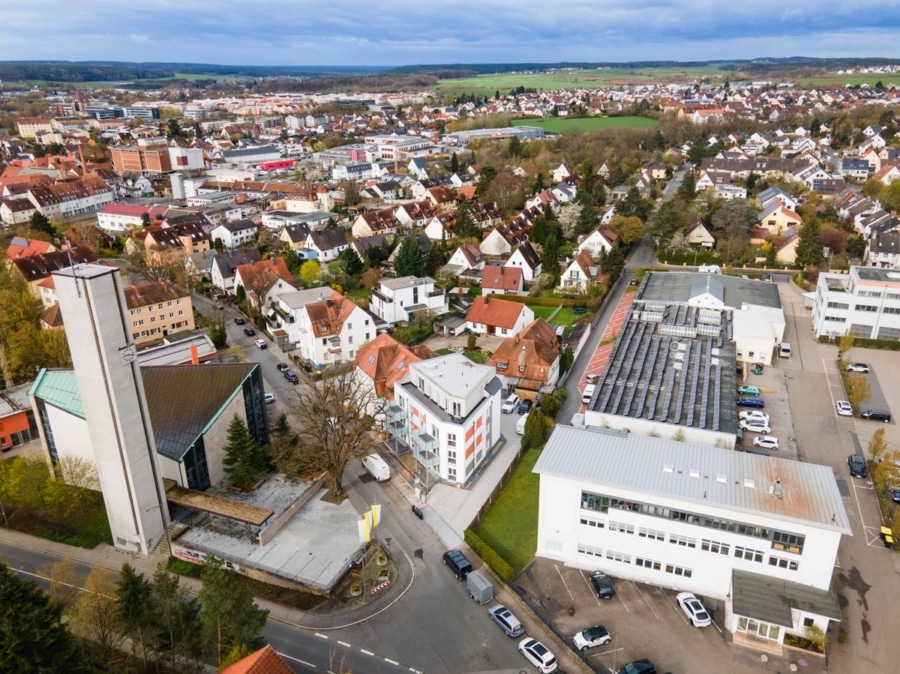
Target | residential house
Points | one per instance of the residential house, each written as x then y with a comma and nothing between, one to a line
418,167
771,194
67,199
264,280
379,241
448,414
199,265
529,361
776,218
116,217
235,233
328,243
36,268
22,247
163,244
525,257
16,418
382,363
158,309
415,215
697,234
295,235
491,316
225,264
396,299
857,169
442,198
562,172
602,238
579,273
883,250
371,223
500,280
467,256
17,211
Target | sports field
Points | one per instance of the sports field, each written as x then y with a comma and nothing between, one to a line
560,124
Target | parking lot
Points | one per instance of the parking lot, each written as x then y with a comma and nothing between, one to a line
772,384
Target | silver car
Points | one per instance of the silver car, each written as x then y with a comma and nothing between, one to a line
506,620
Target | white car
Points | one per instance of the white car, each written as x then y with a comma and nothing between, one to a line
510,404
269,398
858,367
754,415
694,609
260,344
597,635
754,426
844,408
766,442
538,655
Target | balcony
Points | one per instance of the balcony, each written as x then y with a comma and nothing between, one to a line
395,421
424,447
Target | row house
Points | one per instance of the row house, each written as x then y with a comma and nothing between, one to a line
66,199
376,222
415,214
36,268
17,211
116,217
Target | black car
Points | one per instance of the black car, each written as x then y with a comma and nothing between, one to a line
249,332
876,415
458,563
602,584
283,366
525,407
642,666
239,321
857,466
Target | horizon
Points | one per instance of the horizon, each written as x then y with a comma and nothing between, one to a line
287,33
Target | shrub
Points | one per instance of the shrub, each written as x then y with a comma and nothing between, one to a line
498,565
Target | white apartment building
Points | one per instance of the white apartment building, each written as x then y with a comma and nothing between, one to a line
447,410
866,301
396,299
235,233
716,522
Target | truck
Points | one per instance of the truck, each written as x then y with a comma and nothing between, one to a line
377,467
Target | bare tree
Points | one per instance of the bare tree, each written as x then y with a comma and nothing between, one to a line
64,580
335,417
257,282
79,472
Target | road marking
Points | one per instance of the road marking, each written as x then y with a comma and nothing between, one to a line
363,650
302,662
645,600
564,582
858,507
393,662
321,636
345,644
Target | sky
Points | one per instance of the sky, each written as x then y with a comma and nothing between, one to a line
406,32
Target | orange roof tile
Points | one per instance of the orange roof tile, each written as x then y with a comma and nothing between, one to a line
488,310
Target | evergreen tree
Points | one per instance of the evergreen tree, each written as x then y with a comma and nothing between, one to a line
771,253
228,615
244,459
538,186
614,263
587,220
465,227
409,258
538,233
809,246
454,163
134,609
40,223
550,254
353,266
437,257
33,637
537,426
634,205
687,190
177,629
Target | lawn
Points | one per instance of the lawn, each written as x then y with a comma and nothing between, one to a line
560,124
510,526
565,316
871,79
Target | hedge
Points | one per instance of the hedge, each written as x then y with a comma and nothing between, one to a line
690,258
491,557
890,344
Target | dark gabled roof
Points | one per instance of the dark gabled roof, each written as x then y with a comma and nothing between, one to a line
228,262
37,267
238,225
329,238
184,400
152,293
529,254
297,232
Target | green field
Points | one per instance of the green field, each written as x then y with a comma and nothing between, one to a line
578,79
560,124
871,79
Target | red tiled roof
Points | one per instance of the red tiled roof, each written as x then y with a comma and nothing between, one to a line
384,360
488,310
264,661
496,277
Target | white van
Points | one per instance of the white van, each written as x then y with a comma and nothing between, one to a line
520,424
588,393
377,467
785,350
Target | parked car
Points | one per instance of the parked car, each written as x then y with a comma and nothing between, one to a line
282,367
751,402
858,367
525,407
876,415
642,666
857,466
269,398
291,376
694,609
261,344
844,408
538,655
458,563
602,584
784,351
249,332
766,442
754,415
755,426
895,495
510,404
597,635
239,321
748,390
506,620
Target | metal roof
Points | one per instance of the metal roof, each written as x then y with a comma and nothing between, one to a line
706,476
678,286
60,389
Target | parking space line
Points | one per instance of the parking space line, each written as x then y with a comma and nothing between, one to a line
596,598
645,600
565,585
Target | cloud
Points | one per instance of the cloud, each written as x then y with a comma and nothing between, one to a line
394,32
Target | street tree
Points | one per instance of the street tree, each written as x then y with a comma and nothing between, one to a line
228,615
245,460
64,580
134,610
178,638
859,391
92,615
845,343
408,261
334,417
33,637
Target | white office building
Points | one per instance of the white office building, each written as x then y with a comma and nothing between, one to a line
866,301
759,533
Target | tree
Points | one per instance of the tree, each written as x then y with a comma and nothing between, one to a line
537,426
507,190
351,193
257,280
668,219
40,223
93,616
218,333
454,163
634,205
408,261
629,229
465,226
550,254
64,580
145,220
846,342
33,637
245,461
614,263
859,391
566,358
134,609
228,615
687,190
771,255
309,272
485,178
335,416
178,637
809,244
735,215
587,220
353,266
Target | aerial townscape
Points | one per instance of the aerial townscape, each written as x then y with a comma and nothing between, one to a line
329,368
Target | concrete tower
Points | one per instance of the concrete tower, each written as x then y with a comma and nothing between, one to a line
98,328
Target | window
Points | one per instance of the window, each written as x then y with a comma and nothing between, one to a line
647,563
596,502
652,534
838,305
789,564
588,522
350,340
714,546
451,456
621,528
678,571
866,307
788,542
748,554
618,556
590,550
683,541
451,439
451,473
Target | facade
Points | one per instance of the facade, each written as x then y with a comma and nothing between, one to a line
602,238
580,272
158,309
698,519
17,425
448,413
383,362
525,257
866,301
224,266
529,362
124,217
236,233
490,316
150,155
64,200
396,299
